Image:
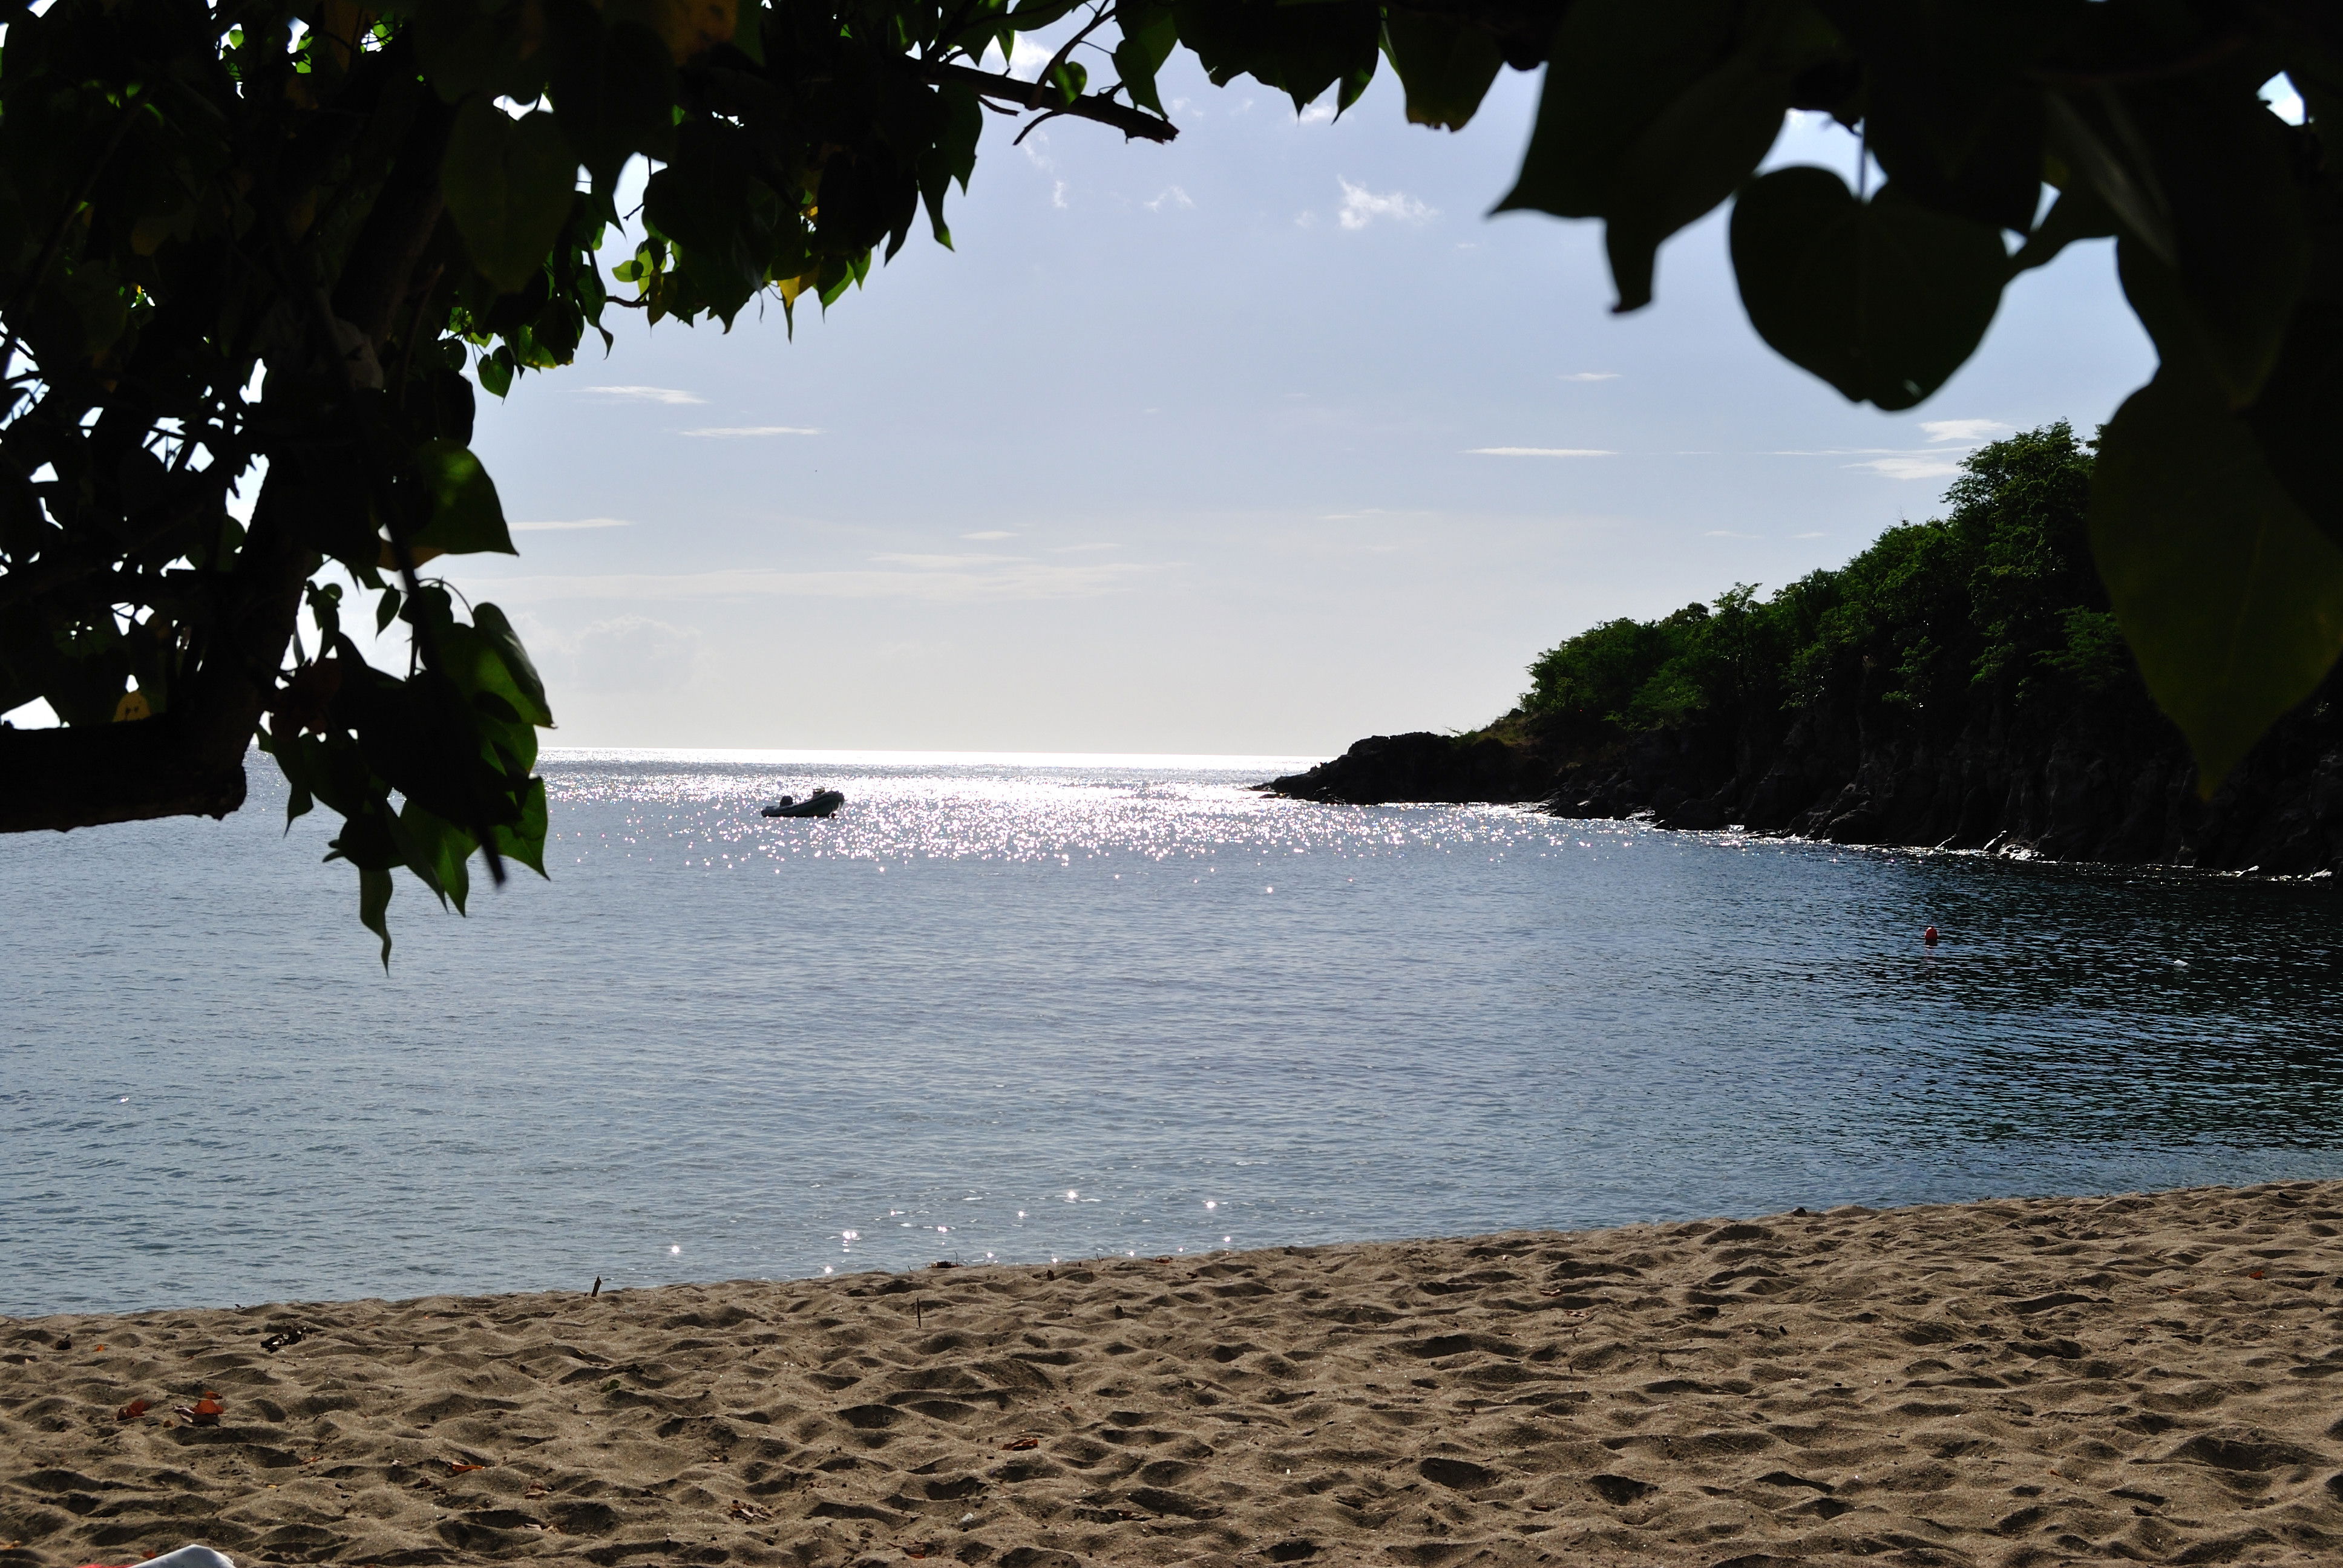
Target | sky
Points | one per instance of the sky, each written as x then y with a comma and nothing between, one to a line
1255,443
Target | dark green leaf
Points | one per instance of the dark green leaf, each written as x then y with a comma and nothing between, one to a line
1653,113
1616,67
1951,111
1687,162
435,849
704,202
1446,66
467,48
325,605
2095,154
496,372
2226,168
529,686
1036,14
467,517
1300,50
2298,418
510,185
749,30
1882,300
953,156
2231,598
613,88
292,760
1148,31
2077,215
504,721
1994,178
373,907
81,308
525,840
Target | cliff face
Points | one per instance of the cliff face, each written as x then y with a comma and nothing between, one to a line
2066,774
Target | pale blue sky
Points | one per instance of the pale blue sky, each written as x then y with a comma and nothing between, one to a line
1190,448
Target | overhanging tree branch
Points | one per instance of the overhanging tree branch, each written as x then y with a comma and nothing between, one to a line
97,774
1123,117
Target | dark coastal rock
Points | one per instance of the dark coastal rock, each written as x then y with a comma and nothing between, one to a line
1420,767
2059,774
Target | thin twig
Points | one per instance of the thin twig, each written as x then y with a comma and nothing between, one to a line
1062,55
1034,125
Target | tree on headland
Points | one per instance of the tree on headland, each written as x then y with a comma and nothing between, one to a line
278,245
1995,604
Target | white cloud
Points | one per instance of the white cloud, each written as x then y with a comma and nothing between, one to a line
1540,452
628,654
728,431
1592,375
1362,206
931,579
1057,194
1725,534
1926,466
1170,196
990,534
1027,59
573,524
1963,429
934,563
634,653
1909,462
1317,113
645,394
1809,535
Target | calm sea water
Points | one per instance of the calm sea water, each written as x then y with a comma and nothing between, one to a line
1075,1006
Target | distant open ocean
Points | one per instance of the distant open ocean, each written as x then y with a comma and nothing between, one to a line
1035,1006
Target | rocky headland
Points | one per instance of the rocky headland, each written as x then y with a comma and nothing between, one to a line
2094,783
1960,684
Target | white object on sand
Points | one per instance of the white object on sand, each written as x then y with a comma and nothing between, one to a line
189,1557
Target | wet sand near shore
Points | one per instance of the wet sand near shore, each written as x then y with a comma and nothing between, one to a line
2154,1378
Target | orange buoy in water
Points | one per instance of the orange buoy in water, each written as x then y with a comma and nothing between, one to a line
1929,936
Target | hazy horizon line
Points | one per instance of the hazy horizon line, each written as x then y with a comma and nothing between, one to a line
1218,761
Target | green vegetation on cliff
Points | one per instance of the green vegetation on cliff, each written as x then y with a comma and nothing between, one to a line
1998,593
1962,683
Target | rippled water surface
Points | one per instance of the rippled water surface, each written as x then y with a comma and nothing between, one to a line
1077,1006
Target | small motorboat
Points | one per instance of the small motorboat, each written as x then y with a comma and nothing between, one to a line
821,803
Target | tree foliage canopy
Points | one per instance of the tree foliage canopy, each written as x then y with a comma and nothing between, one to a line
283,240
1996,603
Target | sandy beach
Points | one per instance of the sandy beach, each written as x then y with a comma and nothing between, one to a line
2144,1378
